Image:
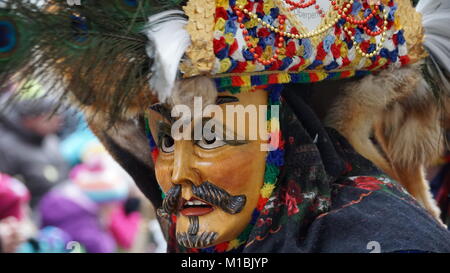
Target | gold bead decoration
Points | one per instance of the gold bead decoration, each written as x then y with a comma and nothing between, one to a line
332,21
379,45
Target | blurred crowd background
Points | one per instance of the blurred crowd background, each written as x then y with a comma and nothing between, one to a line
60,191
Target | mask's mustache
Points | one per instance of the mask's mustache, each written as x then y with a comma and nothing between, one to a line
170,202
208,192
219,197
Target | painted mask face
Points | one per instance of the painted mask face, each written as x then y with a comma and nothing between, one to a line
212,186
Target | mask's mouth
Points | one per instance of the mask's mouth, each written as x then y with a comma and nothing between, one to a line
195,207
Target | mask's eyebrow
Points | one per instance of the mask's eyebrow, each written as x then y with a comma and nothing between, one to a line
232,142
164,127
163,110
226,99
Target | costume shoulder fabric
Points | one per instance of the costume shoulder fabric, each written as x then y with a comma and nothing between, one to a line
331,199
376,208
368,214
375,212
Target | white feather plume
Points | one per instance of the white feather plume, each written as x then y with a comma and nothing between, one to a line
436,20
169,41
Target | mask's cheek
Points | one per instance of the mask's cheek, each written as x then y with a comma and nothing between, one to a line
238,170
163,172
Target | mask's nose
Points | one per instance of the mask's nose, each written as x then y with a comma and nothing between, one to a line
183,165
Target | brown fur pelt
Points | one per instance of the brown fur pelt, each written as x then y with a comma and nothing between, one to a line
402,114
187,89
410,133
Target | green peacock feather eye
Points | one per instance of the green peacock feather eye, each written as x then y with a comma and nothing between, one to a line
9,36
15,41
80,32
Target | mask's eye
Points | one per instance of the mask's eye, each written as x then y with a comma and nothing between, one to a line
210,144
167,144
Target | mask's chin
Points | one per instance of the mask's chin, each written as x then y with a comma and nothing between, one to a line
190,233
188,224
202,224
209,229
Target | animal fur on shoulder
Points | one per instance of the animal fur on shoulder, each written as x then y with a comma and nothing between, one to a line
402,114
411,135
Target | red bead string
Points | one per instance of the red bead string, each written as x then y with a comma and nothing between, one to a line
343,11
361,23
303,5
252,48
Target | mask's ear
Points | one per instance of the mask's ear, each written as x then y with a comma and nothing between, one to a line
127,143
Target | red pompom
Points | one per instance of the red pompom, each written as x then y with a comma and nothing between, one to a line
297,66
405,60
290,49
320,52
263,32
240,67
233,48
275,65
345,61
365,46
219,44
336,50
222,247
261,203
155,154
294,31
221,13
395,39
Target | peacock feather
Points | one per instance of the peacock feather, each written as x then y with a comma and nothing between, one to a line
9,35
14,39
95,51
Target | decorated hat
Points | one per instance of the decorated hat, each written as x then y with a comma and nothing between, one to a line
105,53
283,41
116,58
251,43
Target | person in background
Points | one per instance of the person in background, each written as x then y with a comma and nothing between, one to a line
29,147
50,240
81,145
92,207
15,226
74,145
